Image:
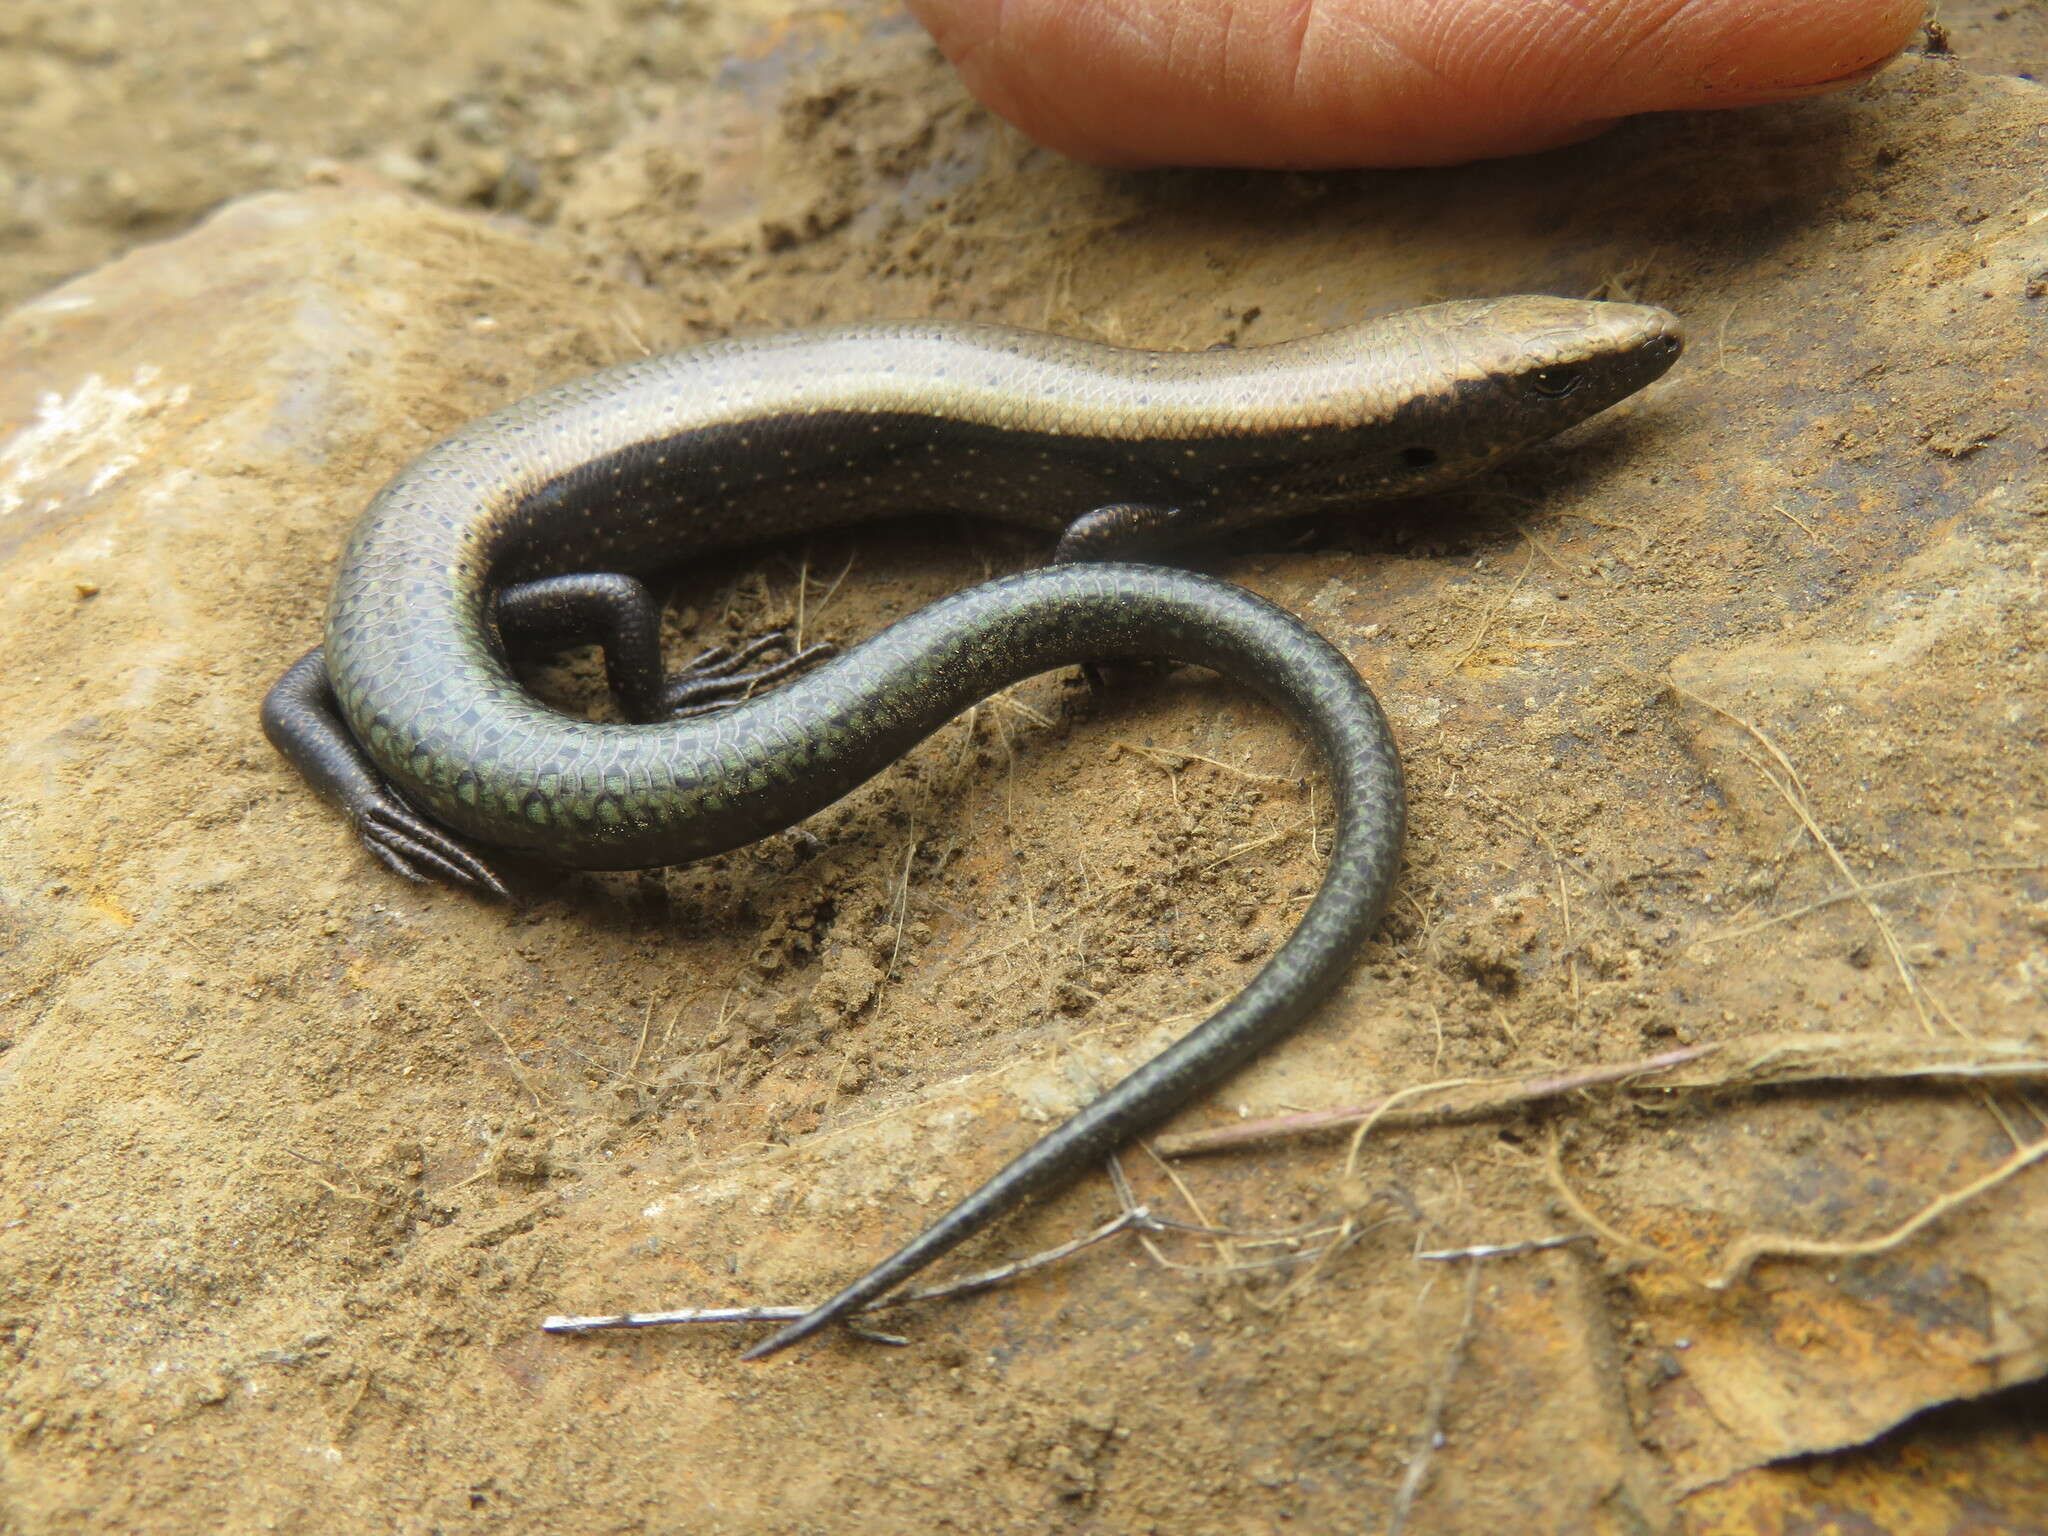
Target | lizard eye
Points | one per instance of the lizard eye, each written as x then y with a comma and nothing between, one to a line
1556,383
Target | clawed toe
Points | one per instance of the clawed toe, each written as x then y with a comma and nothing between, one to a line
422,852
724,660
720,677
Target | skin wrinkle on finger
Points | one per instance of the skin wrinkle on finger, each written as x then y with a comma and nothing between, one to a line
974,41
1299,32
1556,55
1647,51
1413,77
1297,25
1836,59
1324,83
1226,58
1717,47
1190,55
1108,32
1347,98
1579,50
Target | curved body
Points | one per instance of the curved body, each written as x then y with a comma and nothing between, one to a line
738,442
742,441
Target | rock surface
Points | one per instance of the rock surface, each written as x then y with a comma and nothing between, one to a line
299,1156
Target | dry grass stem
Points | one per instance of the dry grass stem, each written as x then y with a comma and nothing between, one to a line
902,910
646,1024
511,1056
1172,761
1492,615
1761,1061
1746,1251
1952,872
1792,790
1613,1236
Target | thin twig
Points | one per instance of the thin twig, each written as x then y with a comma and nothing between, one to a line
334,1189
1760,1061
1918,994
1801,808
613,1072
1487,621
512,1056
1431,1436
1801,523
1504,1250
1742,1254
1488,1097
832,591
1224,1252
1137,1218
1007,699
668,1030
1745,1252
1894,950
1162,757
803,588
1614,1237
1954,871
902,910
1349,1230
1535,830
646,1023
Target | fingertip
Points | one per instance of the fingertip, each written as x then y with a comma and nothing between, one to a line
1387,82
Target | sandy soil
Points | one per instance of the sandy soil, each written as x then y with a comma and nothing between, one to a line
297,1158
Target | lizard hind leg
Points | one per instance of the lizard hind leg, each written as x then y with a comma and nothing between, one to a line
622,617
614,612
304,723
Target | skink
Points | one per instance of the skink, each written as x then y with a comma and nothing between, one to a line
539,521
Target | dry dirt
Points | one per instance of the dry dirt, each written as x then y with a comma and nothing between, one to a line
296,1157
